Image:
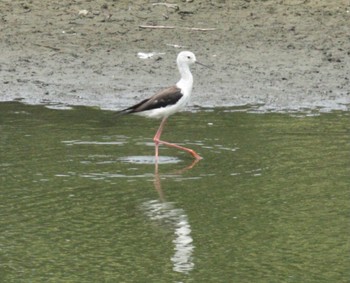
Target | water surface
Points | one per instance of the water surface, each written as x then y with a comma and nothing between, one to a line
82,201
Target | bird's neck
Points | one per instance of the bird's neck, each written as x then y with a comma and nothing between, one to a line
186,80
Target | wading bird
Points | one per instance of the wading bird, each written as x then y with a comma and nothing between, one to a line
169,101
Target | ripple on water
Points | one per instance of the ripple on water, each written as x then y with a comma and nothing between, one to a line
147,159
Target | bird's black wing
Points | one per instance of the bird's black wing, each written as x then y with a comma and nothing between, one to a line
169,96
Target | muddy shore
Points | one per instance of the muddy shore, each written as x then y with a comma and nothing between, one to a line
281,55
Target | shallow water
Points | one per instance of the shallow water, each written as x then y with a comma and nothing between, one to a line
82,201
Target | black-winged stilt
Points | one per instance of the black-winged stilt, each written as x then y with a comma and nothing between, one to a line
169,101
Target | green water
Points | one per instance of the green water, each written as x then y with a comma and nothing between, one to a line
80,200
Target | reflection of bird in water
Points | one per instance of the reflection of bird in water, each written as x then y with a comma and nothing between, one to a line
169,101
165,213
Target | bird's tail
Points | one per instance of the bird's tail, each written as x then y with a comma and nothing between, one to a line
123,112
132,109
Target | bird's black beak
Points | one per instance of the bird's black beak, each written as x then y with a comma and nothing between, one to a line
209,67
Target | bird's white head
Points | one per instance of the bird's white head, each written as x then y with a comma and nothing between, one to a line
186,57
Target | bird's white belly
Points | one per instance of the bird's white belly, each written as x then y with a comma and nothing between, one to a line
165,111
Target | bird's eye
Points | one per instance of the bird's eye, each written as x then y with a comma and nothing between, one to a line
188,57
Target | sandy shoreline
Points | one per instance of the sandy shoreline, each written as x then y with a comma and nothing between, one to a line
279,54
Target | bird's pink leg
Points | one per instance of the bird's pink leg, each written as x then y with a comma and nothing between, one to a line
157,141
160,129
191,151
157,136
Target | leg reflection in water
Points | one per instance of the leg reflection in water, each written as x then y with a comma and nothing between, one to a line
168,216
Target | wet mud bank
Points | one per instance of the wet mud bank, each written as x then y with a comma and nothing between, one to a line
281,55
